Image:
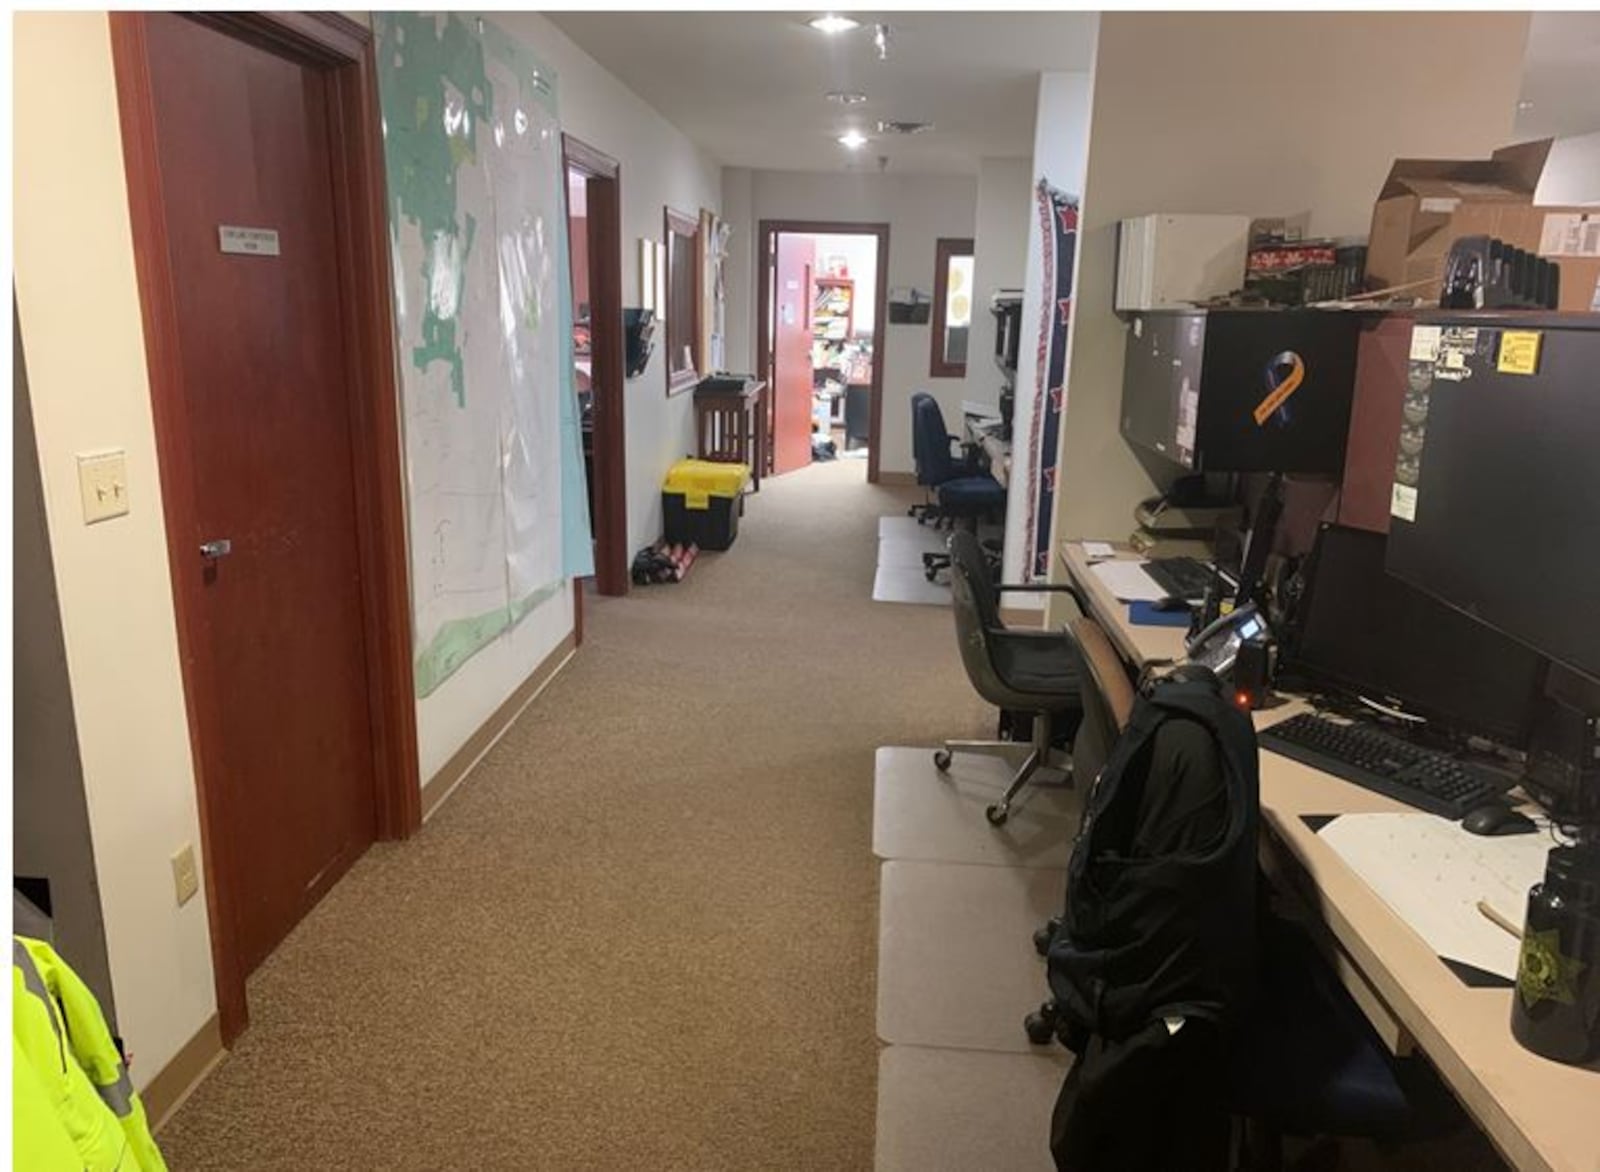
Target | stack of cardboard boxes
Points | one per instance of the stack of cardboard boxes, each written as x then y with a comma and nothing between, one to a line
1428,204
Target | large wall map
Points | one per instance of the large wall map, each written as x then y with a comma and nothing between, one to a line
498,515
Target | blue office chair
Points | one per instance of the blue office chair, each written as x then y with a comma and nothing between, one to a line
1305,1061
961,492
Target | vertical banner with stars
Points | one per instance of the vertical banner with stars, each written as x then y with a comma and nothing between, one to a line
1058,223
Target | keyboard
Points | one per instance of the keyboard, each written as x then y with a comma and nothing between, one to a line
1387,764
1180,577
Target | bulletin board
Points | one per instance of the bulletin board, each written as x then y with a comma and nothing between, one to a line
483,324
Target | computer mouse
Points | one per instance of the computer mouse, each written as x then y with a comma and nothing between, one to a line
1497,819
1170,603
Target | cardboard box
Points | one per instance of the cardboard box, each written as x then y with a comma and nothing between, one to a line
1428,204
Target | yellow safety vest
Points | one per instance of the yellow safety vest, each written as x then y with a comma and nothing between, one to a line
73,1106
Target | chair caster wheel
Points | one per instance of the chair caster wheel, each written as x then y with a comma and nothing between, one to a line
941,760
1041,1030
1042,937
997,814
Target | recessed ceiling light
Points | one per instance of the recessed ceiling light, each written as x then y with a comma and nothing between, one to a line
832,24
846,97
853,139
1524,105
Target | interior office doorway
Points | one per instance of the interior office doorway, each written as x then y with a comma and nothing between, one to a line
822,306
261,248
594,220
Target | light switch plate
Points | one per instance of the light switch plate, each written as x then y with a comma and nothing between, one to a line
185,877
103,479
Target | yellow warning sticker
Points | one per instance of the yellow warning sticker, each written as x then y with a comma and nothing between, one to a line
1519,352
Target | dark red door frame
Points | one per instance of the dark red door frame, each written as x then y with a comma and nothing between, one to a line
603,176
766,231
343,50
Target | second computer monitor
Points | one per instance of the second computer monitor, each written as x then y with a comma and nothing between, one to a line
1363,631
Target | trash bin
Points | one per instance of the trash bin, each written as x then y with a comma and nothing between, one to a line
701,502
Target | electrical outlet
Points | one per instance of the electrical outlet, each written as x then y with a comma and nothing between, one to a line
185,878
103,481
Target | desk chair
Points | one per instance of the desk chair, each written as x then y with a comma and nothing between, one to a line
1107,695
857,417
1029,671
959,491
1304,1060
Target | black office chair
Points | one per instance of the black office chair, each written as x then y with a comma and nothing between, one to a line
1304,1061
1027,671
857,417
961,492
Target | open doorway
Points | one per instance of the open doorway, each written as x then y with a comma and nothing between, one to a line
820,323
594,211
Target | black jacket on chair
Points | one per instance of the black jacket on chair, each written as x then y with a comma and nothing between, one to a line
1160,924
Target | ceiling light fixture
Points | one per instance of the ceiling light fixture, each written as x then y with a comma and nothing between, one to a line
853,139
832,24
846,97
880,40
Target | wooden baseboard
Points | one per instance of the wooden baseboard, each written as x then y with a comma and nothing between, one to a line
898,479
176,1081
455,770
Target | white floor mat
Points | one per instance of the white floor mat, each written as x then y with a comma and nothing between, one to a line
907,584
922,814
956,964
961,1110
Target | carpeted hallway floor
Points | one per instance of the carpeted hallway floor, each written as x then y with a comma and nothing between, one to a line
642,934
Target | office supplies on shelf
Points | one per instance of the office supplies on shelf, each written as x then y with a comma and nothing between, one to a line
1511,460
1385,763
1433,875
1128,581
1357,630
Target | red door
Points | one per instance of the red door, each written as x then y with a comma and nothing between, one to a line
243,144
791,351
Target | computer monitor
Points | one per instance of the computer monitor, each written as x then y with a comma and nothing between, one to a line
1359,630
1496,498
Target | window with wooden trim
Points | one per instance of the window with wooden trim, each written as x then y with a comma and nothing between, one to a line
952,307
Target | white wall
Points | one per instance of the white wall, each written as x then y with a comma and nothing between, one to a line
919,209
1201,112
740,266
1060,150
1572,172
1000,247
659,166
79,308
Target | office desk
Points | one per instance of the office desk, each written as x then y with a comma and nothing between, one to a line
1540,1114
998,451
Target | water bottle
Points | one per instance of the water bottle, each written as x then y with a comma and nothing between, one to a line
1555,1009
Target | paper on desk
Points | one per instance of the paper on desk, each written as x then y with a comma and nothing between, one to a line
1432,874
1128,581
1095,550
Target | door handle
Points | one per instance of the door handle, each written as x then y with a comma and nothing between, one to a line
220,548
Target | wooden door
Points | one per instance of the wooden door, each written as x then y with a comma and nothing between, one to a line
242,141
795,257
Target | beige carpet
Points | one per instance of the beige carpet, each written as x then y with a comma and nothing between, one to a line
642,935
